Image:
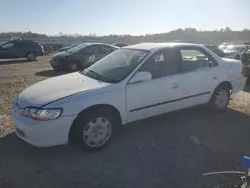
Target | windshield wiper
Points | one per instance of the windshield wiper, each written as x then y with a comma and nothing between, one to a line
100,78
98,75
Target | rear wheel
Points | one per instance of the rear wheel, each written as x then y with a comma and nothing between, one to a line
220,98
31,56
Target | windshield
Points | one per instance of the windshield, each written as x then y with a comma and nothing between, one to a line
234,47
117,66
76,48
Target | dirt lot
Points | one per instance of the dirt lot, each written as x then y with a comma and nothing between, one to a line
172,150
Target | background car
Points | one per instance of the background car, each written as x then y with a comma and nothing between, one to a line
80,56
120,45
235,51
20,49
216,50
223,46
67,47
48,49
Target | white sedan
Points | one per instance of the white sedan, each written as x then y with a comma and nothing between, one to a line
235,51
130,84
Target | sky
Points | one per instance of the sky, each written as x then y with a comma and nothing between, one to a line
134,17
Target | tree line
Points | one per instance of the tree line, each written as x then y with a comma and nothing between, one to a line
181,35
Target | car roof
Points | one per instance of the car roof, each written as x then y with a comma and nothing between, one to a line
22,41
154,46
239,45
95,43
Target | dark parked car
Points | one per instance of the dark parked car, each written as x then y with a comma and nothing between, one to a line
67,47
20,49
120,45
216,50
47,49
80,56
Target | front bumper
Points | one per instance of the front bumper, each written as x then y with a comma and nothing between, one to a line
238,85
42,133
55,64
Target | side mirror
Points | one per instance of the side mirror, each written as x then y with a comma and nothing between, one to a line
141,77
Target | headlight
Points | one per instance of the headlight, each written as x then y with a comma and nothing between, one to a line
42,114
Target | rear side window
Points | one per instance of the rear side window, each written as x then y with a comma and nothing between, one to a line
195,59
105,49
89,50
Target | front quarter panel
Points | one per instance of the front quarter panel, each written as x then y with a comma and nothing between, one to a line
75,104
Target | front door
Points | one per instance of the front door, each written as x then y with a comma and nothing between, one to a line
200,76
89,55
161,94
7,50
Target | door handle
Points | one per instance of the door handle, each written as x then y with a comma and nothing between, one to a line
175,85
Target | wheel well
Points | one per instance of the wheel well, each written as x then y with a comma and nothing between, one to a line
225,84
237,56
92,109
30,52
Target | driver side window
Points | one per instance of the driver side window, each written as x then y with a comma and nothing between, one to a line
7,46
162,64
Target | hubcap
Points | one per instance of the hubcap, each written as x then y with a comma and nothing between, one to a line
31,56
97,132
73,66
221,99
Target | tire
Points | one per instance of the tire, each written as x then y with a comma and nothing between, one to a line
94,130
31,56
220,98
237,57
73,66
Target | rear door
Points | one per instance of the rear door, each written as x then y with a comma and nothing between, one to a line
200,75
21,49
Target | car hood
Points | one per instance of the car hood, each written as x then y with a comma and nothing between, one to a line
60,55
229,51
232,61
56,88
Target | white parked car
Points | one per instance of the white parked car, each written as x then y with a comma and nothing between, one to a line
223,46
130,84
235,51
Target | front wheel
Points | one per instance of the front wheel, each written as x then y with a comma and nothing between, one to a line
73,66
93,131
220,98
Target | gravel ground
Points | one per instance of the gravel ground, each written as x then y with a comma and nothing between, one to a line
172,150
